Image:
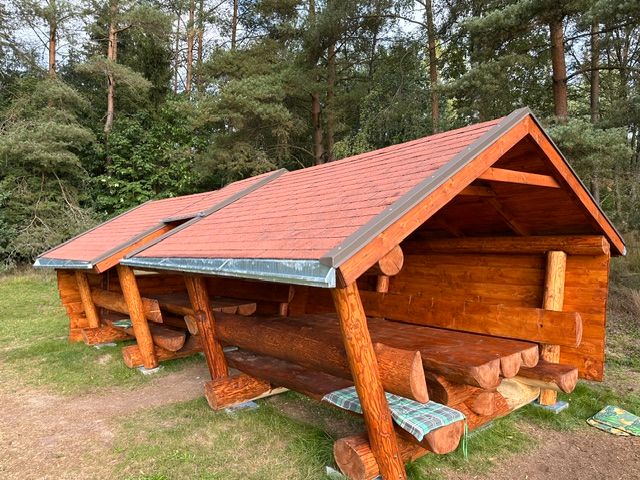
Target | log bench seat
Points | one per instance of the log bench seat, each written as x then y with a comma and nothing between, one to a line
465,358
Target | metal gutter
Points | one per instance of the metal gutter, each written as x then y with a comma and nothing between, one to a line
62,264
365,234
298,272
217,207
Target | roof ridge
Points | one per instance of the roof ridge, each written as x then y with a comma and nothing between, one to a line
214,208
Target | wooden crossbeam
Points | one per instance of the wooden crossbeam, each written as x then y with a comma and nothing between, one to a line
477,191
512,176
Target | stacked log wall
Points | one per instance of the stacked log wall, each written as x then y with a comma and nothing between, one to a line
506,279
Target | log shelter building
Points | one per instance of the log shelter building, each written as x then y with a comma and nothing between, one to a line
468,268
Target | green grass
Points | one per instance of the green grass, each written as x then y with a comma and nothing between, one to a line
289,436
34,346
188,440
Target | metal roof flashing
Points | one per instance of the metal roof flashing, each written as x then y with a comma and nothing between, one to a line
58,263
352,244
298,272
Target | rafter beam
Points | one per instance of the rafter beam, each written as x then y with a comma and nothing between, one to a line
508,217
477,191
524,178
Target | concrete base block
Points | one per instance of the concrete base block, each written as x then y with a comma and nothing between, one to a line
555,408
149,371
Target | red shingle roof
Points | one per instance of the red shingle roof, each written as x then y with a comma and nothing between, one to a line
123,230
305,213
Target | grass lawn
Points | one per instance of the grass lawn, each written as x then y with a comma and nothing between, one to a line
288,436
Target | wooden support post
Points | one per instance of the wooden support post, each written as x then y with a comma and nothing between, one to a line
553,300
136,313
90,310
199,296
366,376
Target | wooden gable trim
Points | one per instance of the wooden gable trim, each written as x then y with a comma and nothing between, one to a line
364,258
575,186
114,258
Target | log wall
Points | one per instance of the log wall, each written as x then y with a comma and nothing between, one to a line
507,279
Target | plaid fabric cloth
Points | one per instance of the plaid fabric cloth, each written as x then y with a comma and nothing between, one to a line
124,323
416,418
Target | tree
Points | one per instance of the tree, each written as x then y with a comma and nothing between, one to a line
42,179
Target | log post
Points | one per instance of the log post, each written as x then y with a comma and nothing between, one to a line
199,297
553,300
90,310
136,313
366,376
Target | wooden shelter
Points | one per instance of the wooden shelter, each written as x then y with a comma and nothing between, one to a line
95,290
469,268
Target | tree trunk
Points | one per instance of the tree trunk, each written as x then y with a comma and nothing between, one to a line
595,74
199,81
112,56
53,35
433,68
176,58
559,68
331,103
190,43
316,122
234,25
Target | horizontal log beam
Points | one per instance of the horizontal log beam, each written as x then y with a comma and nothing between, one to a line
228,391
571,244
401,370
133,358
553,376
104,334
115,302
520,323
493,174
163,337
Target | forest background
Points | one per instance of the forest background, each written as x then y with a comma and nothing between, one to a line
104,105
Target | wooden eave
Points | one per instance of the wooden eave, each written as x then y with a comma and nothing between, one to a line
375,239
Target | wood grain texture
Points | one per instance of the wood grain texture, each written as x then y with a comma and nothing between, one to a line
133,358
493,174
199,297
228,391
104,334
390,264
366,376
116,302
309,345
522,323
137,315
571,244
553,299
90,310
550,376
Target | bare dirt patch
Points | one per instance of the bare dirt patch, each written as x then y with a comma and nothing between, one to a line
578,455
47,436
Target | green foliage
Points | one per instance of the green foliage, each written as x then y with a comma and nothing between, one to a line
41,177
150,157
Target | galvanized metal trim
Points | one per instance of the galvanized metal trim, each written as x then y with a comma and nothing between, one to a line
62,264
218,206
92,229
365,234
298,272
584,187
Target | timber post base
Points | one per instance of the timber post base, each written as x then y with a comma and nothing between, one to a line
233,390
